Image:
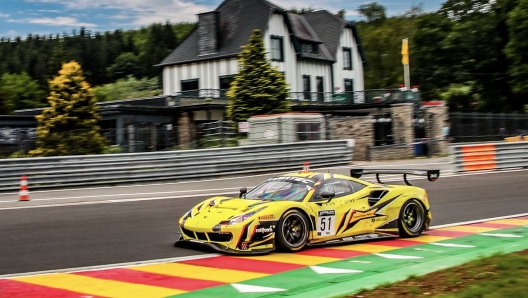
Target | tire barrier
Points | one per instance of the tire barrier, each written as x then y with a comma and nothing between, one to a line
489,156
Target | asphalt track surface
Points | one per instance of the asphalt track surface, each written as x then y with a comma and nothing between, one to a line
99,226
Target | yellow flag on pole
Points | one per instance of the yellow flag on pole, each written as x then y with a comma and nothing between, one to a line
405,51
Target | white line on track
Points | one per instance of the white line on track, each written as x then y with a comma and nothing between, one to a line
112,266
478,220
134,194
111,201
203,256
388,178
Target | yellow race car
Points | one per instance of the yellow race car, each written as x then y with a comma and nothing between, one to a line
294,210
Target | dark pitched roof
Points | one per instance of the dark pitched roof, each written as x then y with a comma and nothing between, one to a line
329,28
238,18
302,29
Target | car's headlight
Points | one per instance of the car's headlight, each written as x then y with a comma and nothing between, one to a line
243,217
187,214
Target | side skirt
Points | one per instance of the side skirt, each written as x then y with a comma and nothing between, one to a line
355,238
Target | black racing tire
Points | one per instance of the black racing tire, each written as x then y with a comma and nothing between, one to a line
292,231
412,219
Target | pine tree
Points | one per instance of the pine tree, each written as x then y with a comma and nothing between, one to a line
70,125
258,88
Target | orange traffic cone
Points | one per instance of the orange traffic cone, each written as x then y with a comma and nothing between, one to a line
306,167
23,194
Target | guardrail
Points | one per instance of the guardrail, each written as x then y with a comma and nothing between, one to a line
110,169
489,156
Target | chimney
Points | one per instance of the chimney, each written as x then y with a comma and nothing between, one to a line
208,32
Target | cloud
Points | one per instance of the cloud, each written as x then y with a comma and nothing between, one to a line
137,12
9,33
49,10
58,21
3,15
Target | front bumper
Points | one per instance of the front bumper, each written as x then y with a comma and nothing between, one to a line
223,247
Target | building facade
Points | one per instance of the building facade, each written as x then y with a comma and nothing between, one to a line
318,52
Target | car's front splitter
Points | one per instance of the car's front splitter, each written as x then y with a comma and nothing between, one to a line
224,248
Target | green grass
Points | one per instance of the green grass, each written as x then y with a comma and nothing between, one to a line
498,276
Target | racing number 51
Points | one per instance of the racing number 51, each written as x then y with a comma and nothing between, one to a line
323,223
326,223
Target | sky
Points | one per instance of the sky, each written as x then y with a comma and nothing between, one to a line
44,17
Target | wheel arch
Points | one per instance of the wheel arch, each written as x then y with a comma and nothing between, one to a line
308,217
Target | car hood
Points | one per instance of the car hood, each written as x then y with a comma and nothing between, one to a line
218,209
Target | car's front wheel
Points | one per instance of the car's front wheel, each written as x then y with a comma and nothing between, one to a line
292,231
412,219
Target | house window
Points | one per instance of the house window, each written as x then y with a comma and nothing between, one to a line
349,89
276,48
225,84
308,131
320,89
188,86
225,81
347,58
309,48
307,87
349,85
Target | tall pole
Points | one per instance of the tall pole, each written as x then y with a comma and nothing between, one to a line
405,62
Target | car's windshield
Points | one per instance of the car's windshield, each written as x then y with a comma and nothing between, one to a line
281,189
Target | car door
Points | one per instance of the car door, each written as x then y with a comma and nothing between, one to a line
333,218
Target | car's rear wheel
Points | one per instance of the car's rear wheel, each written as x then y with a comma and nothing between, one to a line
412,219
292,231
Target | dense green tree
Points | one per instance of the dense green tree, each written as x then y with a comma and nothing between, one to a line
69,126
301,10
127,64
373,12
429,60
258,88
41,57
19,91
450,51
517,48
383,43
341,13
457,10
127,88
460,97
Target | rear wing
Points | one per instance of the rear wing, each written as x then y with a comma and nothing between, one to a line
432,175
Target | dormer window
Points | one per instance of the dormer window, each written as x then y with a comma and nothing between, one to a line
309,48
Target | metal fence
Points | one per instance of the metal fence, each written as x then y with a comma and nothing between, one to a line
111,169
485,127
17,142
372,96
489,156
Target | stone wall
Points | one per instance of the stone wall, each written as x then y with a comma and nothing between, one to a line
360,129
391,152
435,118
402,125
186,129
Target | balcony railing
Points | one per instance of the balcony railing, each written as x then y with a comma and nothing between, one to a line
356,97
374,96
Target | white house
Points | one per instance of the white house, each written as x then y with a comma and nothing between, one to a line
318,52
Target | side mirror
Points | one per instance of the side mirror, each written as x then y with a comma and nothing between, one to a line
329,195
243,192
